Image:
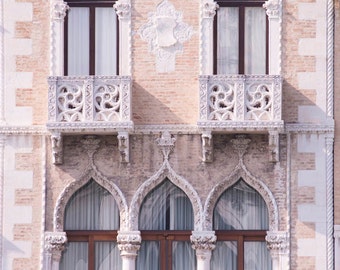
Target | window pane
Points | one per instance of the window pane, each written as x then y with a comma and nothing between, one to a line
78,41
148,256
92,208
256,256
106,41
166,208
224,256
255,40
183,256
227,40
241,208
107,256
75,256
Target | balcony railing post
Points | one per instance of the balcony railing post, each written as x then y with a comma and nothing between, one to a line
277,97
240,107
204,106
52,99
125,99
88,89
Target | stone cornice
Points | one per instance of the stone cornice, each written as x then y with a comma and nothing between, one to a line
309,128
23,130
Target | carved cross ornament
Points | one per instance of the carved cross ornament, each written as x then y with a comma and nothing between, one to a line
165,33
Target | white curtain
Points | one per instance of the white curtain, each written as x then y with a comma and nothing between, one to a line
78,57
227,40
241,208
106,41
255,40
166,208
91,208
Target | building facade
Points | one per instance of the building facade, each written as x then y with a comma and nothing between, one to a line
169,134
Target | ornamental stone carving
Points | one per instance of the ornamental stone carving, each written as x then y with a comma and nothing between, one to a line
129,241
209,9
203,240
58,10
166,144
207,147
57,148
123,10
123,146
277,242
165,33
90,144
240,145
273,8
55,241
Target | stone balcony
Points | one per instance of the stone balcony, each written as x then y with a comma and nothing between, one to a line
89,105
240,104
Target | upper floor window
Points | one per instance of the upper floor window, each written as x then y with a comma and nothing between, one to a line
166,220
240,222
241,37
91,38
91,223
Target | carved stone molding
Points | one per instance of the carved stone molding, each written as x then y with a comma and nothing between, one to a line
207,147
123,10
277,242
123,146
209,9
129,243
166,144
58,10
165,33
203,240
57,148
165,172
55,241
241,172
327,128
272,8
70,189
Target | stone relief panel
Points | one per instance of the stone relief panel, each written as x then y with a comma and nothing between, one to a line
165,33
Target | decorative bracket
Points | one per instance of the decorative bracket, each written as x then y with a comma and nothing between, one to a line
207,147
123,146
166,143
57,148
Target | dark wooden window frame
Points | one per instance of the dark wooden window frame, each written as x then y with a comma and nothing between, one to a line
241,237
91,4
91,237
241,5
166,238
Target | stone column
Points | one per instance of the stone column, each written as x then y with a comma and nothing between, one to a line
203,242
277,243
128,244
54,246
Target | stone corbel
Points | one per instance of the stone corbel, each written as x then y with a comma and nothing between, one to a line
54,245
203,242
207,147
123,146
57,148
274,146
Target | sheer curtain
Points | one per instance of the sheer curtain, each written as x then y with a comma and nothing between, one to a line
166,208
241,208
91,208
106,41
78,37
255,40
227,40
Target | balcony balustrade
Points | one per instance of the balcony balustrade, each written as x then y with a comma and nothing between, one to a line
240,102
89,103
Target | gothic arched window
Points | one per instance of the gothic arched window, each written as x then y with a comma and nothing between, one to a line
166,220
91,222
240,222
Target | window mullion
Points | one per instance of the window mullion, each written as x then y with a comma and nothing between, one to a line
91,260
240,253
241,57
92,40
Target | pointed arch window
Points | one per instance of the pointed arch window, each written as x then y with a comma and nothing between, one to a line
240,221
91,223
166,220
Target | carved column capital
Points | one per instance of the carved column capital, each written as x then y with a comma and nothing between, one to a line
129,243
209,10
55,244
277,242
58,11
272,8
123,10
203,240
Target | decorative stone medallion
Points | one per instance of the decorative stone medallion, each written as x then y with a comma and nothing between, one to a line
165,33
